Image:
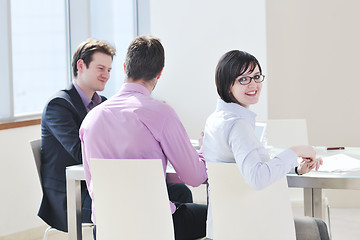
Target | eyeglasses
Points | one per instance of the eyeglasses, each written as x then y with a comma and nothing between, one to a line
246,80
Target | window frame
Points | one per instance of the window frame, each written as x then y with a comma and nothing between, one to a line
13,121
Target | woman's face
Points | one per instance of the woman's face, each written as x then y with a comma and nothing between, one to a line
247,94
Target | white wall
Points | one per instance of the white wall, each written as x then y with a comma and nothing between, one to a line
195,34
313,58
19,183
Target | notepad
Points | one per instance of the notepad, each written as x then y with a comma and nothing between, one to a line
340,163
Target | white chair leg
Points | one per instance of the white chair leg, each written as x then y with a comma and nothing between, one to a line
329,225
84,225
46,232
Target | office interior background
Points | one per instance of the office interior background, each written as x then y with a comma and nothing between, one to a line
308,51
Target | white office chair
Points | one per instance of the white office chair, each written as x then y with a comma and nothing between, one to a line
131,200
241,212
36,150
286,132
291,132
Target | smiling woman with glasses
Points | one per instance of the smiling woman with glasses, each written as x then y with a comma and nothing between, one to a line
229,131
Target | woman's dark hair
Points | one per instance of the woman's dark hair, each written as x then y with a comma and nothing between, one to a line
231,65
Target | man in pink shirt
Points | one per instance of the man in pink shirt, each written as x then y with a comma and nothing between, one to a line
132,125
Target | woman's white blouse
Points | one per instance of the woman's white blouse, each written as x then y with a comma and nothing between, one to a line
230,137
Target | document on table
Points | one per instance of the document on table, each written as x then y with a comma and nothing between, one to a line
339,163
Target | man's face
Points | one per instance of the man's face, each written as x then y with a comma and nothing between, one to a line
94,77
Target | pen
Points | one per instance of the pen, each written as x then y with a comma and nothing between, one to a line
335,148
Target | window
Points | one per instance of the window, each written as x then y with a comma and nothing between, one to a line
38,38
114,21
39,53
34,41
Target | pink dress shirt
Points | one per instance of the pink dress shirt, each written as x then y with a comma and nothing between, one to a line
132,125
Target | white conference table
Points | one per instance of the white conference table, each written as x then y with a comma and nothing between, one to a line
74,176
313,183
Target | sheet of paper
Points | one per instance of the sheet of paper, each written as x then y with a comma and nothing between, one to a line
340,163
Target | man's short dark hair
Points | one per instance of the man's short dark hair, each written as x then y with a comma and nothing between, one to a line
145,58
86,50
231,65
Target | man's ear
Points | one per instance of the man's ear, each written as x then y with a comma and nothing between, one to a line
80,64
159,75
124,68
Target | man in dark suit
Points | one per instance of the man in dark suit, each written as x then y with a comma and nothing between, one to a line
61,120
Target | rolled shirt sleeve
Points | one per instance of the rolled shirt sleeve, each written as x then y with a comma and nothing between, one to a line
188,163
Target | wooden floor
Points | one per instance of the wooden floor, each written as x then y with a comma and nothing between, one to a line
345,224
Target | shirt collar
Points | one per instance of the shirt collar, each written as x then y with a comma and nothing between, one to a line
88,103
236,109
135,87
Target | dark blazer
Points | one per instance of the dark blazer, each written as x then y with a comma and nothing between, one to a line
60,147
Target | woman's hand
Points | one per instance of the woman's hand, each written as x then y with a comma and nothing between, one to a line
309,162
201,139
307,165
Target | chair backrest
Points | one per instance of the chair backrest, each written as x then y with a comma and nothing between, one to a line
286,132
131,200
241,212
36,150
